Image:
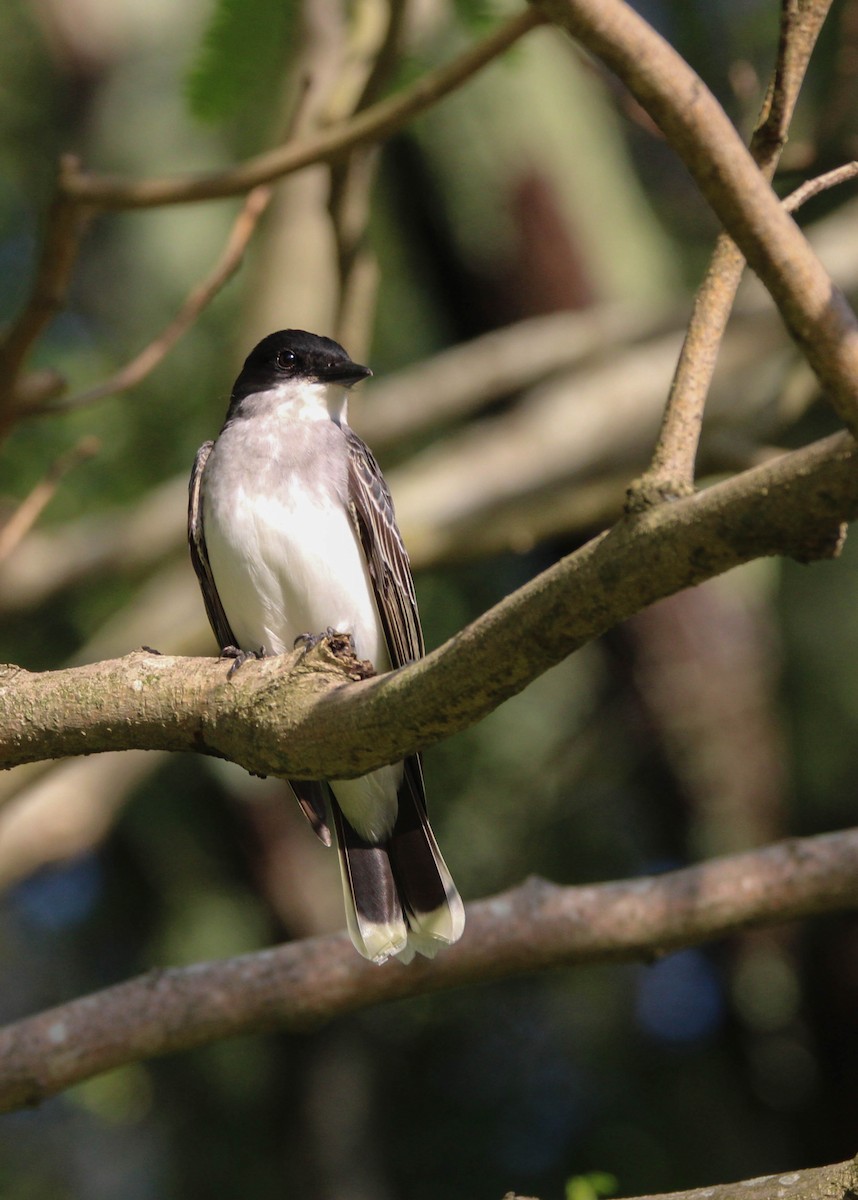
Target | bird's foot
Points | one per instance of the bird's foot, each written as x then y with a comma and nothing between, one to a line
310,640
151,650
240,657
341,645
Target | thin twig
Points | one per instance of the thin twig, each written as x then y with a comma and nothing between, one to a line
198,298
22,520
529,928
372,125
81,194
671,472
822,183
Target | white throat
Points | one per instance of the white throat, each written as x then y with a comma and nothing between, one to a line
306,400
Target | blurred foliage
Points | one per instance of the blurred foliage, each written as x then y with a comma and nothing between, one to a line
538,187
241,60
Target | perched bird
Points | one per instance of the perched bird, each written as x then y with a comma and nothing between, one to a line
292,532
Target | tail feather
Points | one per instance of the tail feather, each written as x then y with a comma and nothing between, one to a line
399,896
374,915
434,909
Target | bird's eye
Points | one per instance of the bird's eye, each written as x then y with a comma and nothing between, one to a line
285,359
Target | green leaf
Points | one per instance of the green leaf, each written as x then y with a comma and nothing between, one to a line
477,16
591,1186
243,51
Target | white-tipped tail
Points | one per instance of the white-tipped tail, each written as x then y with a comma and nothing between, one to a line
399,896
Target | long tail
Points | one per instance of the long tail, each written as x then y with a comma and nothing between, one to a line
399,895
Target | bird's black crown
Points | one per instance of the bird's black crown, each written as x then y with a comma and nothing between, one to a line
296,354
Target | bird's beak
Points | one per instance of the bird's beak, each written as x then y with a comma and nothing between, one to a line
346,374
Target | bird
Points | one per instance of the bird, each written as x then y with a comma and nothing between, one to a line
292,532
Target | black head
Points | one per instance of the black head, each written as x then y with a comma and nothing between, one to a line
295,354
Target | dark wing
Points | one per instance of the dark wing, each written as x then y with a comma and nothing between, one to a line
310,795
199,557
374,519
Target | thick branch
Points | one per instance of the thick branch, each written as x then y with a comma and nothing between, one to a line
814,310
531,927
276,718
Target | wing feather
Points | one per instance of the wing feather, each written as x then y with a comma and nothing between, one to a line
199,556
374,519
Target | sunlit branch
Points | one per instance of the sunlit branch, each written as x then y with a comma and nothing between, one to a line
816,313
672,469
293,718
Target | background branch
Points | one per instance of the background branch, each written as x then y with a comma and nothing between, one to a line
16,527
534,926
373,124
135,371
66,223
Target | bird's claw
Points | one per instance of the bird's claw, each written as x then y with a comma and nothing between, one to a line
310,640
240,657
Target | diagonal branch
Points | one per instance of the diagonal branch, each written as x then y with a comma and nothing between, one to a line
820,183
671,472
373,124
135,371
22,520
291,716
816,313
529,928
81,194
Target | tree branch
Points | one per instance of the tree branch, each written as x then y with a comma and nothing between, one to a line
135,371
373,124
291,716
836,1182
22,520
461,380
816,313
671,472
821,183
66,223
529,928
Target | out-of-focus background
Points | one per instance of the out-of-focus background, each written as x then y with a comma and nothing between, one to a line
537,201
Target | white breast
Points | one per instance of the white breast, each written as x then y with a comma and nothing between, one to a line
286,561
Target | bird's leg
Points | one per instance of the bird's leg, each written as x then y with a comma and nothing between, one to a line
240,657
